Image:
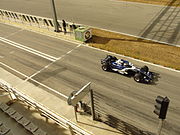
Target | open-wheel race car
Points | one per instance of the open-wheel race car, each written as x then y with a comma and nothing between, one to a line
111,63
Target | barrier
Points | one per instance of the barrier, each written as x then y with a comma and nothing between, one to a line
37,21
43,110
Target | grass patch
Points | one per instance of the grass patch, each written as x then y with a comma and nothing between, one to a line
175,3
153,52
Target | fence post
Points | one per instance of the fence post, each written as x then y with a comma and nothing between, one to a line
92,104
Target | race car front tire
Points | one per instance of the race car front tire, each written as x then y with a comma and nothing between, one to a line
138,77
105,67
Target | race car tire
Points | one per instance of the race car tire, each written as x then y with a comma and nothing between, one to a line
145,69
105,67
138,77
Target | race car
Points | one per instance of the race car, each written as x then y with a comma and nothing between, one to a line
111,63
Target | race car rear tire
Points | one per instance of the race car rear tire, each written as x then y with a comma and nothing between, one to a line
138,77
105,67
145,69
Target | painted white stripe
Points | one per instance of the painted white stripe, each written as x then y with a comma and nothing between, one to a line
170,69
178,71
30,77
86,45
52,63
13,69
53,90
28,49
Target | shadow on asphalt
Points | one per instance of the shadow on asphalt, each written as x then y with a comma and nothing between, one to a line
47,73
124,127
155,78
165,26
107,112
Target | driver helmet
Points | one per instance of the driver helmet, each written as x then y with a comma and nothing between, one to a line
119,61
126,63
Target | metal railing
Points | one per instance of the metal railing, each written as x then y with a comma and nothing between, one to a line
65,123
32,20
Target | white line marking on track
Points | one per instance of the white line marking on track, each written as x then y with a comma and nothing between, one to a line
160,66
133,58
28,49
30,77
86,45
52,63
13,69
53,90
170,69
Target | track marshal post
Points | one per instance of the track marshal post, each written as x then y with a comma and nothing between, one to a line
77,96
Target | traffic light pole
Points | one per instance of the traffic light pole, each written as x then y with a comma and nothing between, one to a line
54,16
92,104
161,108
161,121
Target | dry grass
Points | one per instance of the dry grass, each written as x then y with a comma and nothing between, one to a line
158,2
165,55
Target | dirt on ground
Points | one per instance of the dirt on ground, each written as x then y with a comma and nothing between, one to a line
158,2
166,55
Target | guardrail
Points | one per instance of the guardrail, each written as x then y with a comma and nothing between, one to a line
15,94
37,21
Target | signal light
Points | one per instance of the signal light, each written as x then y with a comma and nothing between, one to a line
161,106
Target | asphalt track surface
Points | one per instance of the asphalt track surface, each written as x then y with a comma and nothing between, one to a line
148,21
69,66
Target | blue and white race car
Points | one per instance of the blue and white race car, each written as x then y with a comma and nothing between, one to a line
111,63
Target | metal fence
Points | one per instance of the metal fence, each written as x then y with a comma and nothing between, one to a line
65,123
107,113
37,21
